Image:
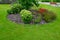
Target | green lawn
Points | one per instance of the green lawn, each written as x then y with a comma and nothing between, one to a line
12,31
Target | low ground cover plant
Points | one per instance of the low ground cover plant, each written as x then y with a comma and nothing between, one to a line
37,19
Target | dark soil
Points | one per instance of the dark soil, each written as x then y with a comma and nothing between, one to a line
17,19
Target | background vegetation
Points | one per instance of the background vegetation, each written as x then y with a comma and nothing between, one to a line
50,0
12,1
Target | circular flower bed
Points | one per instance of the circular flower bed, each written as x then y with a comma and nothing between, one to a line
22,15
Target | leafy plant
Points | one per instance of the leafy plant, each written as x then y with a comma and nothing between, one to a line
38,18
10,11
26,4
49,16
16,8
26,16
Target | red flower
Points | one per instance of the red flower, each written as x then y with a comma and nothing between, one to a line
42,10
52,2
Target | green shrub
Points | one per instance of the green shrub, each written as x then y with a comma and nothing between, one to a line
49,16
10,11
26,16
38,18
26,4
16,8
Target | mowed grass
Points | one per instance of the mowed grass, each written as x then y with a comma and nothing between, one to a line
13,31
